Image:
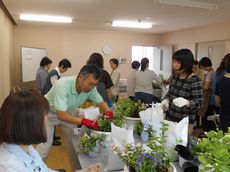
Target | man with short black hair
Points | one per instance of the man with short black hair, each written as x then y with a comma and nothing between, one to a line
68,94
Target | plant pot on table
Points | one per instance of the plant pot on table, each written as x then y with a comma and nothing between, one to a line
93,153
108,137
172,168
144,136
131,121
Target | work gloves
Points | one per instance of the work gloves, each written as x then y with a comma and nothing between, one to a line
94,124
180,101
90,123
109,115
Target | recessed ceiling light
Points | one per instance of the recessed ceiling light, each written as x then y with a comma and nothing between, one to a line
131,24
46,18
190,3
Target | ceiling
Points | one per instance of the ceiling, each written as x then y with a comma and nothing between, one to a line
98,14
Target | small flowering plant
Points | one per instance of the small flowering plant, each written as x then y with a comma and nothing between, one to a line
87,143
152,157
148,128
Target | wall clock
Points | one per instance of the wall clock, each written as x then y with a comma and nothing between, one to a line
107,49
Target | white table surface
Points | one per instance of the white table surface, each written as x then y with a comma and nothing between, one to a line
102,157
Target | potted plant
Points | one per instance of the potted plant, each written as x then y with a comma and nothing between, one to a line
91,144
105,128
213,151
129,111
138,158
146,132
129,108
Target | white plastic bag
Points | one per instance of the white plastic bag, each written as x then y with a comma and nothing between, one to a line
177,132
120,136
153,116
165,90
91,113
157,118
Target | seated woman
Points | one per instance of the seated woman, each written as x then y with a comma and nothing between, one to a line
22,123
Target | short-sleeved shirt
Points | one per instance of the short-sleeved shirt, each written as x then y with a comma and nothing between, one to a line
63,95
190,89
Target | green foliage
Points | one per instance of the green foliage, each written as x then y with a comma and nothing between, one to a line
104,124
139,127
129,108
155,159
88,142
214,151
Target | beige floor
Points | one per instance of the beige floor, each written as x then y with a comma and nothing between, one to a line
58,158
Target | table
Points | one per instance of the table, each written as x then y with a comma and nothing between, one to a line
102,158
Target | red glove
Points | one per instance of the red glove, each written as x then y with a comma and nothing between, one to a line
90,123
109,115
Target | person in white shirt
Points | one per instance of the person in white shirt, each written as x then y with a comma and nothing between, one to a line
115,76
53,76
144,83
23,117
131,80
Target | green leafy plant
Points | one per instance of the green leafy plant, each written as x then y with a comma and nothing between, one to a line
129,108
104,124
87,143
139,127
214,151
153,159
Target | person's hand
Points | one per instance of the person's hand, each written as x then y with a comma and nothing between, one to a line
90,123
109,115
165,104
180,101
110,103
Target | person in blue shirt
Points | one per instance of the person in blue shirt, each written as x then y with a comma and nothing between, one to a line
23,118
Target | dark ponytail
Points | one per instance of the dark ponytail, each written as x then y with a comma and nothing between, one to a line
144,64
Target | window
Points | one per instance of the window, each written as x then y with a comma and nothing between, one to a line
139,52
160,58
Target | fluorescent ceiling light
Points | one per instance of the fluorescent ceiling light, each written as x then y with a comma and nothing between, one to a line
131,24
190,3
46,18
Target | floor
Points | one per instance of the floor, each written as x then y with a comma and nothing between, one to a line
58,158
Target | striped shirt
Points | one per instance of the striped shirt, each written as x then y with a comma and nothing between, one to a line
189,88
